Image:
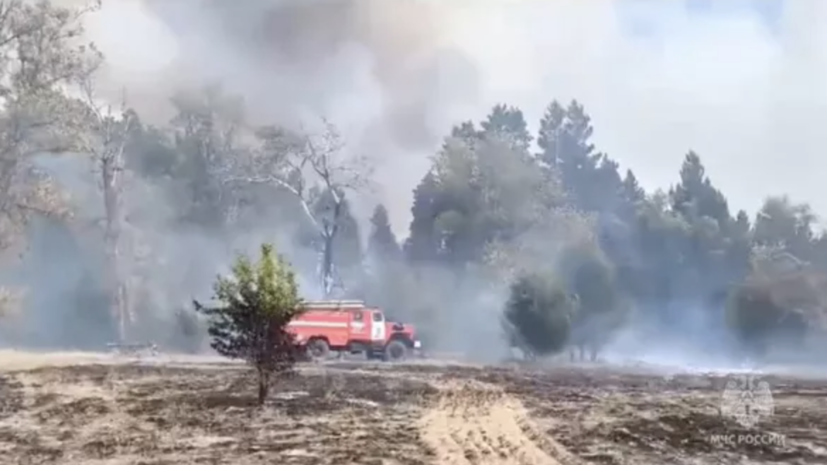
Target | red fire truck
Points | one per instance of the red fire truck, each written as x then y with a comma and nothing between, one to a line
351,326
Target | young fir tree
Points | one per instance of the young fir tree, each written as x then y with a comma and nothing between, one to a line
255,304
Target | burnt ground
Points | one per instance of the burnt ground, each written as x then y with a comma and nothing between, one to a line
112,413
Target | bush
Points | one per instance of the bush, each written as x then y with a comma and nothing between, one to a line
776,309
538,315
588,274
250,323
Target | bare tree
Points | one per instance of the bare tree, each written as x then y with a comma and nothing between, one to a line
106,138
310,165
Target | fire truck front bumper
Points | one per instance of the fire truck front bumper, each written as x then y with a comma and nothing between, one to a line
417,351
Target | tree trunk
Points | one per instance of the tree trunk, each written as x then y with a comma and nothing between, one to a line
119,308
112,235
263,386
327,265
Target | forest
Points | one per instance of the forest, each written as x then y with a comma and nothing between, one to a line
110,224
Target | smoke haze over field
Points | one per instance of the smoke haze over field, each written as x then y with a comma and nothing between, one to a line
657,77
743,83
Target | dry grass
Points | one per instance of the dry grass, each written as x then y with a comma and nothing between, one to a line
20,360
92,410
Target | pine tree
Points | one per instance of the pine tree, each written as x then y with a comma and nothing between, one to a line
423,241
382,244
256,303
507,124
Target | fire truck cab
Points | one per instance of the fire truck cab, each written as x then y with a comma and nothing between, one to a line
351,326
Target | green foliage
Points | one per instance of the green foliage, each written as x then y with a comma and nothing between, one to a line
590,277
256,303
382,242
538,314
422,243
187,333
507,125
620,250
757,319
205,132
781,222
780,306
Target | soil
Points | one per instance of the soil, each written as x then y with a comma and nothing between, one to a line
73,409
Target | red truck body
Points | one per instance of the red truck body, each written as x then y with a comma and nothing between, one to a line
351,326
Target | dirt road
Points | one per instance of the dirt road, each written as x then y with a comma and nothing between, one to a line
474,422
94,409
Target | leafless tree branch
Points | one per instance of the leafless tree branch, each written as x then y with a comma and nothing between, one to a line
306,164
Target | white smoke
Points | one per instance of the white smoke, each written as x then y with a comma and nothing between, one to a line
742,85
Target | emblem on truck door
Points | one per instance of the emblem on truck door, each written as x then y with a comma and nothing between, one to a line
377,327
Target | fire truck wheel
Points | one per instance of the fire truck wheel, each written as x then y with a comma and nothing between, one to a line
396,351
318,349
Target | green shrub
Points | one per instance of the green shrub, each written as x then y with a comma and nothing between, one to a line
250,323
538,315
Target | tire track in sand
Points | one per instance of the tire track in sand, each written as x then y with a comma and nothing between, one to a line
475,423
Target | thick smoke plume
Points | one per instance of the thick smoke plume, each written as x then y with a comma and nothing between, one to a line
738,82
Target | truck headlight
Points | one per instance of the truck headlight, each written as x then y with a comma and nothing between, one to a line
417,344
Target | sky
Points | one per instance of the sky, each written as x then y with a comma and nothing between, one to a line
741,82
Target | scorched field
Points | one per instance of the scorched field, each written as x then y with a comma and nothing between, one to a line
83,410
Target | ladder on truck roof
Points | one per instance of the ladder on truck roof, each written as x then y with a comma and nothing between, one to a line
334,304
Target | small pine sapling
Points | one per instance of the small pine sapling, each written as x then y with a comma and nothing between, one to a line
255,304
